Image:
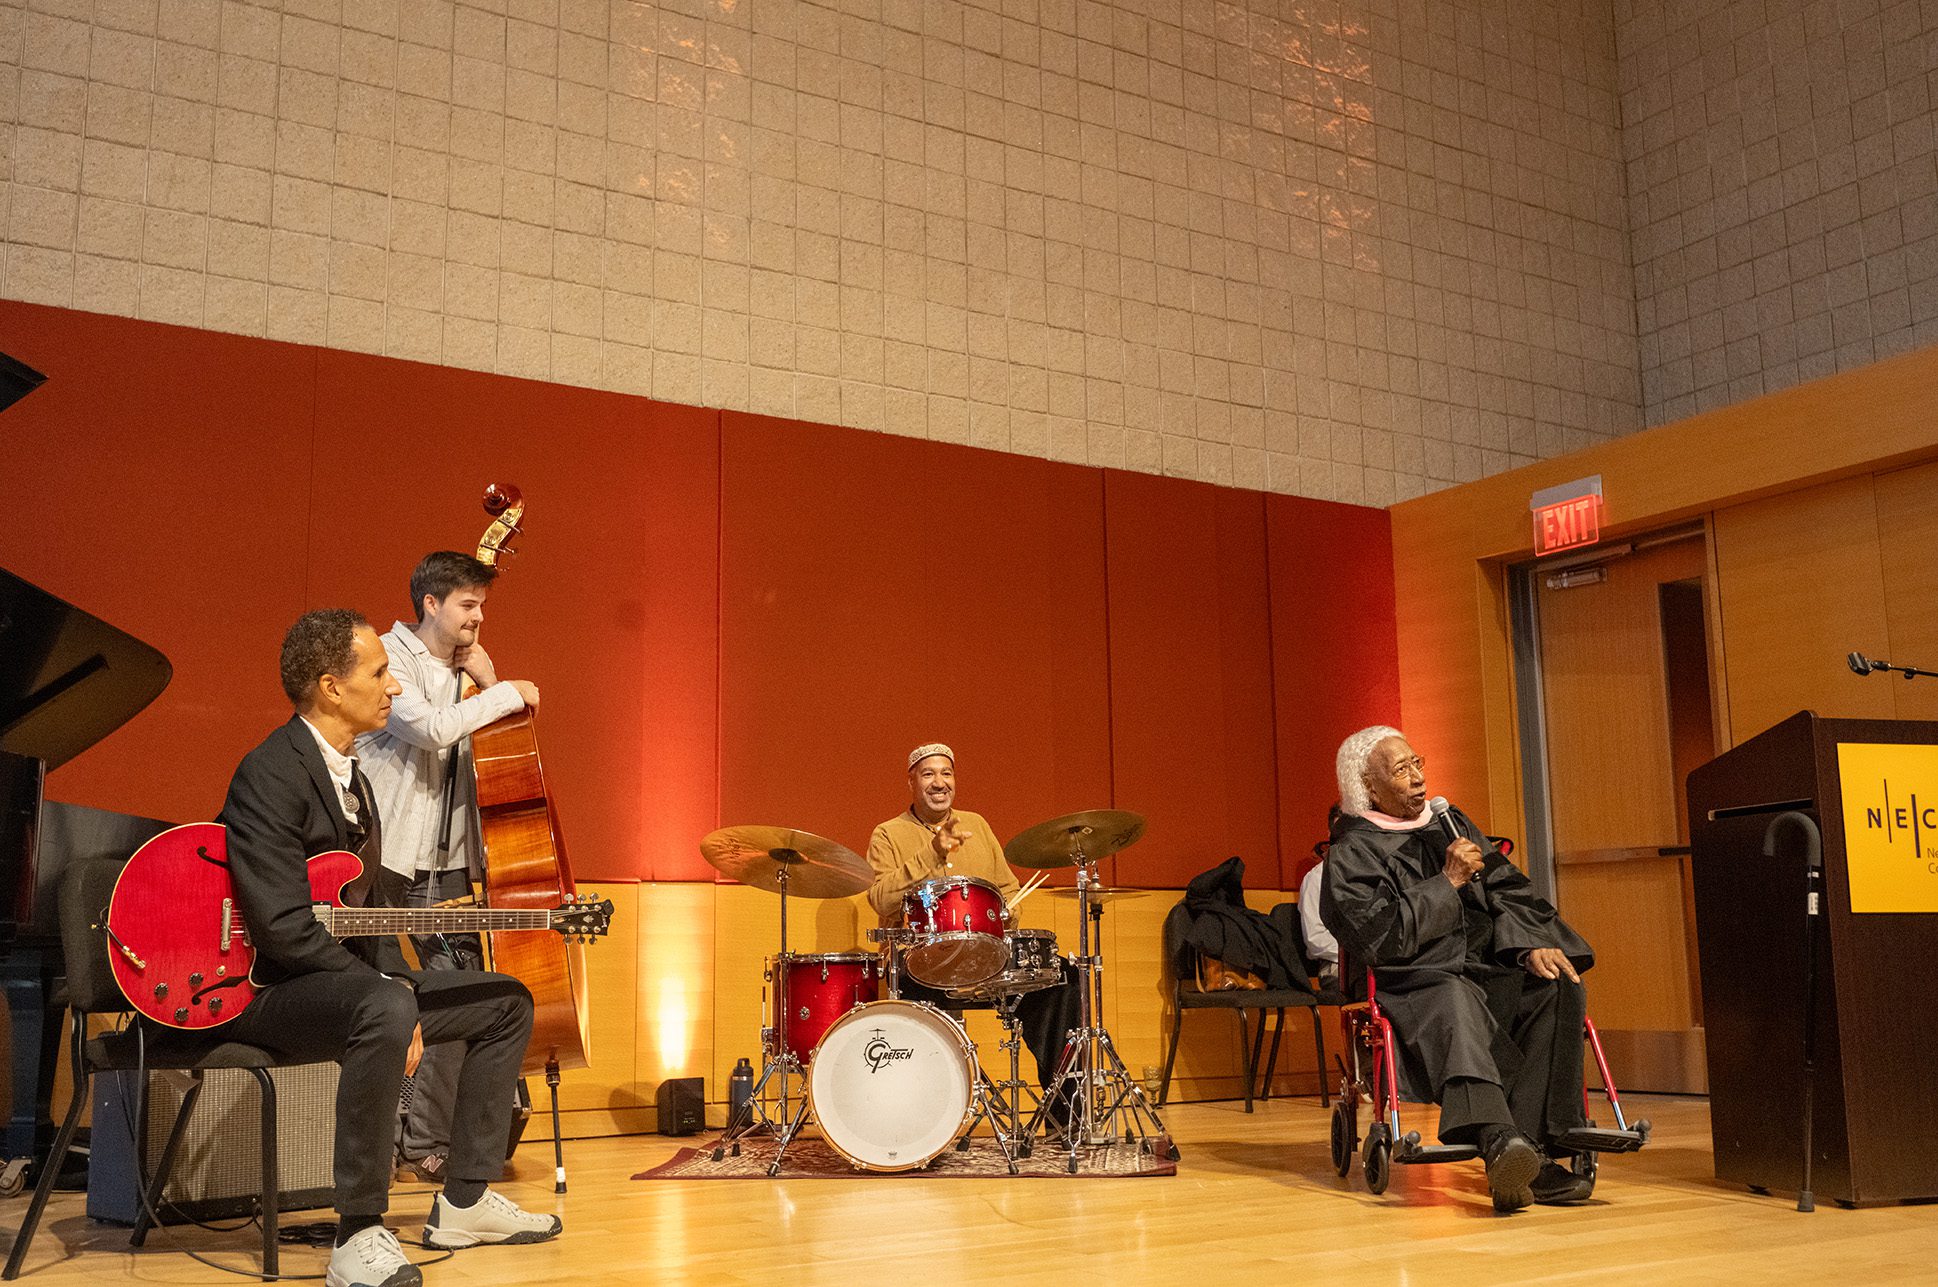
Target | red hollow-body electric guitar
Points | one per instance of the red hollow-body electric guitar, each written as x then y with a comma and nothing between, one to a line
182,955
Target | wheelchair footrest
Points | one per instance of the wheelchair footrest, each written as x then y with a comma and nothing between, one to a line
1592,1139
1424,1154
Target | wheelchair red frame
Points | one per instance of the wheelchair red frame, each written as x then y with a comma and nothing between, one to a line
1369,1038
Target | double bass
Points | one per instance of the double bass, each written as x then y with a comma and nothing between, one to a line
525,864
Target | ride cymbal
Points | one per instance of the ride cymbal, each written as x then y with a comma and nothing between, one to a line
816,867
1095,833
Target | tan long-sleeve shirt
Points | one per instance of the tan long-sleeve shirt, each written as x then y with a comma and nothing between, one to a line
902,854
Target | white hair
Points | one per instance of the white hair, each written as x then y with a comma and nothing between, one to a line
1354,753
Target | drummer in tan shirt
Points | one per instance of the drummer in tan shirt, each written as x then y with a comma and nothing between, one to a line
932,839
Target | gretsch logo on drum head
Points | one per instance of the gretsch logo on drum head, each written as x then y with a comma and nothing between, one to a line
880,1051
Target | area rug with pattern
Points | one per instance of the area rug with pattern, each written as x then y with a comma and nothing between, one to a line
812,1158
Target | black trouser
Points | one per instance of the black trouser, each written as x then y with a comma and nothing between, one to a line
1045,1015
1541,1097
362,1021
426,1125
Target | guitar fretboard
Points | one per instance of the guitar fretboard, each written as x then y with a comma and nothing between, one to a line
356,922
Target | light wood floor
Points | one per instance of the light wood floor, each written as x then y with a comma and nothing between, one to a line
1254,1199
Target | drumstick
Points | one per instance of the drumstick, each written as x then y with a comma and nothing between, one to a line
1030,884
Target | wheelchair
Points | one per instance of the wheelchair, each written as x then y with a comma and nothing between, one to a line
1372,1079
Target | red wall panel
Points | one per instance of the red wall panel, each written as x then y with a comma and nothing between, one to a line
608,604
878,592
160,480
1191,677
732,619
1335,652
202,490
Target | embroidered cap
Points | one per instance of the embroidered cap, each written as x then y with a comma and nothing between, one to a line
921,753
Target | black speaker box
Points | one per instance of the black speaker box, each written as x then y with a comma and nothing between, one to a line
682,1106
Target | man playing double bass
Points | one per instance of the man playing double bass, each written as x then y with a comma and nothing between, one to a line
298,794
420,767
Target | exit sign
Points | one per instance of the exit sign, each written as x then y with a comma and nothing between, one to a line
1568,516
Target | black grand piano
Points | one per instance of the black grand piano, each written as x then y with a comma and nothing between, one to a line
67,680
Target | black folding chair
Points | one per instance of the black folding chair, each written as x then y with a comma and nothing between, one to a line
91,990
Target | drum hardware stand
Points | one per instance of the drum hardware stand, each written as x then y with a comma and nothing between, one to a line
1090,1076
1006,1108
778,1059
992,1108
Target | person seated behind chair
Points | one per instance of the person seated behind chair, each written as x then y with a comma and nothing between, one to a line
932,839
1478,974
1321,948
299,794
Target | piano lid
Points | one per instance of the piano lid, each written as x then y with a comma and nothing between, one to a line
67,679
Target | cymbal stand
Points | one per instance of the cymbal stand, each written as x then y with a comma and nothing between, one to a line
778,1060
1106,1104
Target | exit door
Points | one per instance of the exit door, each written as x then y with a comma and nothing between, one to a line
1617,709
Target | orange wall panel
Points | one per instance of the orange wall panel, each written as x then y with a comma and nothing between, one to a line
1191,676
878,592
732,619
1335,661
201,490
160,480
608,602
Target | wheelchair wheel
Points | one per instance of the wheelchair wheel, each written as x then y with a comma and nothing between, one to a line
1378,1159
1344,1136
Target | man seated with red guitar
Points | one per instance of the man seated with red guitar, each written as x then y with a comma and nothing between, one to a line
299,794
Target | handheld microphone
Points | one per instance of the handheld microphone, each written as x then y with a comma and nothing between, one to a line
1860,664
1443,814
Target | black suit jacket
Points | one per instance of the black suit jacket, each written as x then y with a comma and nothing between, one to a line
282,811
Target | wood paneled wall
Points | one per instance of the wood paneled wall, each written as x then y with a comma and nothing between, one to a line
1823,538
1823,543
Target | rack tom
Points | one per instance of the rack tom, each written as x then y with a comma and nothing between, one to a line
1033,965
956,925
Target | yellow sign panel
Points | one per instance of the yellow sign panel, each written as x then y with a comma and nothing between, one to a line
1890,825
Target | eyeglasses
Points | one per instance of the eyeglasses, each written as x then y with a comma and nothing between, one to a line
1407,768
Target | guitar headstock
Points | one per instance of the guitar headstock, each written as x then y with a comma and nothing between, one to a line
583,917
506,505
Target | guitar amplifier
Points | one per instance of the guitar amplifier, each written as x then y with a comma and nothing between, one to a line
218,1168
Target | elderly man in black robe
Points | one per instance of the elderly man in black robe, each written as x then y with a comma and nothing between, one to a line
1478,974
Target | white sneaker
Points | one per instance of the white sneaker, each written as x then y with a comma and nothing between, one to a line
494,1218
371,1258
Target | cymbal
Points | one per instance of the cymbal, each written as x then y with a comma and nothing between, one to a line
1097,832
1101,894
816,867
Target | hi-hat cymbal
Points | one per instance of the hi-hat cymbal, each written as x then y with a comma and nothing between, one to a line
1100,894
816,867
1096,833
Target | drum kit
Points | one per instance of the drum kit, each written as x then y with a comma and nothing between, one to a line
893,1082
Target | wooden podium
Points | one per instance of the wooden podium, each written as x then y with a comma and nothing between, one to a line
1876,1085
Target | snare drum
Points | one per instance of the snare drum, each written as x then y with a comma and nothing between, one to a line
818,988
893,1084
957,925
1033,964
